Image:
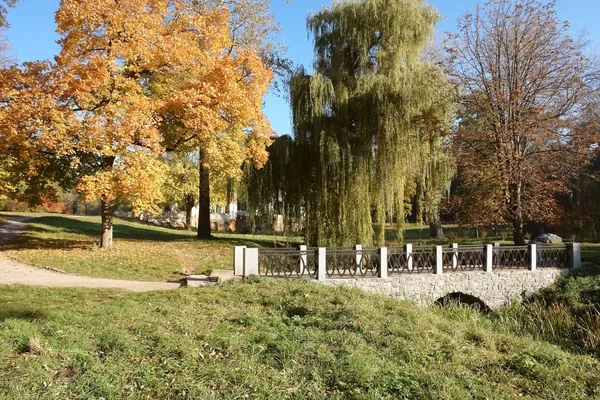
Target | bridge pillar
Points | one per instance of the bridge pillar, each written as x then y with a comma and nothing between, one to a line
532,257
303,259
574,255
238,260
439,260
383,263
250,262
488,250
322,264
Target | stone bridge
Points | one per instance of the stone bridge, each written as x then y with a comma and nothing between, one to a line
487,289
486,275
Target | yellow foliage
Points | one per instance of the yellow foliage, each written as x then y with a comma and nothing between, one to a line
127,67
125,71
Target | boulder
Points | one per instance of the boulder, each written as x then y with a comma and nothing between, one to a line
549,238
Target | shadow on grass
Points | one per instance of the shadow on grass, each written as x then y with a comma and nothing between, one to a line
23,314
39,235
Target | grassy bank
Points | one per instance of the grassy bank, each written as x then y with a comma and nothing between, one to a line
567,313
141,252
269,340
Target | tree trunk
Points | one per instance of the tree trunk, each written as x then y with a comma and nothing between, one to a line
190,202
106,240
435,230
517,215
204,198
518,236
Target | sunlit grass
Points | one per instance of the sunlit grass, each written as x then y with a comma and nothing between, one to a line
269,340
141,251
146,252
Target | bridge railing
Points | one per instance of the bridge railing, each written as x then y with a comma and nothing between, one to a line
553,257
512,257
358,262
464,258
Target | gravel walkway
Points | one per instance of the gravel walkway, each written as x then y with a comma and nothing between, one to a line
12,272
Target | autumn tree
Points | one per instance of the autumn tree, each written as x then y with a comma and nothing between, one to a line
523,81
181,183
4,6
27,106
368,124
126,69
252,29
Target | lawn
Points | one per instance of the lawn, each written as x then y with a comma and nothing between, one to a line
146,252
141,251
419,234
270,340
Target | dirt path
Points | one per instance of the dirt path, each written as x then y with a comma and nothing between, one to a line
12,272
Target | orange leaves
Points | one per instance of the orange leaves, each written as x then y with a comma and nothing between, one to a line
132,78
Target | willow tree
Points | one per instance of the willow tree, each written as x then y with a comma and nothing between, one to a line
369,122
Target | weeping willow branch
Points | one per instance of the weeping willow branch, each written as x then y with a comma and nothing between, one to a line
369,127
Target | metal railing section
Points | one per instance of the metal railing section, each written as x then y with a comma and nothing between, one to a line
511,257
287,263
397,262
552,257
352,262
463,258
423,260
365,262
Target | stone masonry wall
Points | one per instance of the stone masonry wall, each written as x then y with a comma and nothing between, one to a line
493,288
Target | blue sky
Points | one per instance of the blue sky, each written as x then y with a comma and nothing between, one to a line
32,33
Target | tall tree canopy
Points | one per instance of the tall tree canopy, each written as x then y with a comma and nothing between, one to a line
368,123
252,29
4,5
524,84
27,106
125,70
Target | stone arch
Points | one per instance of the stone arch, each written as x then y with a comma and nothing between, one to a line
465,299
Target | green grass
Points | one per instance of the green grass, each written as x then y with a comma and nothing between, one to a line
590,252
419,234
141,251
567,313
146,252
270,340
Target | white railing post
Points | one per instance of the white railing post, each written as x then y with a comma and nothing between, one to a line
439,260
408,248
238,260
250,262
532,257
322,264
303,259
454,247
574,255
383,263
488,250
358,260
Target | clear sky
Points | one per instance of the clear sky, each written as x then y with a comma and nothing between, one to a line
32,33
